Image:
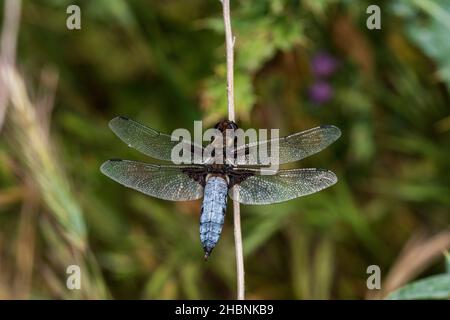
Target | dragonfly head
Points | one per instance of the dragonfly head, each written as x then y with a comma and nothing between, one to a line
226,124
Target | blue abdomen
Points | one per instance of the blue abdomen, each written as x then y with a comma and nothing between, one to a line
212,215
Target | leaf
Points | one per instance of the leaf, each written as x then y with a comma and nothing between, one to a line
447,261
432,36
434,287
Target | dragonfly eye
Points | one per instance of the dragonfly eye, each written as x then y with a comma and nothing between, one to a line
231,125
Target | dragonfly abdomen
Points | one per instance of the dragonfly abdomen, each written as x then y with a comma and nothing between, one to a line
213,212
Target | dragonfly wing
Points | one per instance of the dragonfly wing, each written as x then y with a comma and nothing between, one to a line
148,141
159,181
282,186
291,148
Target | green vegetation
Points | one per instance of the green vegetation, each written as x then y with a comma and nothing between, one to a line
163,63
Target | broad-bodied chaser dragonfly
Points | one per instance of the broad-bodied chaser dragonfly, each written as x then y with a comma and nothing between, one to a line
214,181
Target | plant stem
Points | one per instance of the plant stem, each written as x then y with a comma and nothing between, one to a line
229,41
8,44
239,249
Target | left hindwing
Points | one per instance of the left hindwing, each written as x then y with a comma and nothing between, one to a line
281,186
166,182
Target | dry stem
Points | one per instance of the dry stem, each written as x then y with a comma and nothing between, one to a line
229,41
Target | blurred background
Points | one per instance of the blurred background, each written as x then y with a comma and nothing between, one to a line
299,64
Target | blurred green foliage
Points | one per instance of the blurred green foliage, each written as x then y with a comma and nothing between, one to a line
163,63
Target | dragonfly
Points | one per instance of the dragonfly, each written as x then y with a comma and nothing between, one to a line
240,179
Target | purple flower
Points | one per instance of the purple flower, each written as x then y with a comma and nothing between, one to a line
323,65
320,92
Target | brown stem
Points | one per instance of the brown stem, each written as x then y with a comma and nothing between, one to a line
229,41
